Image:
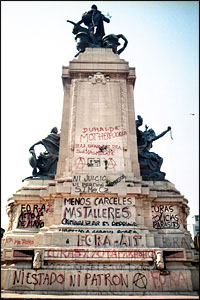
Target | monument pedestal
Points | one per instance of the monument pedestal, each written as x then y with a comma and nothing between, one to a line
98,228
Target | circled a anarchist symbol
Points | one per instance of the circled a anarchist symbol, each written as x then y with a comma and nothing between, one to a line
111,163
80,163
140,280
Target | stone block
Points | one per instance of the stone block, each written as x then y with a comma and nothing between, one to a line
195,280
104,281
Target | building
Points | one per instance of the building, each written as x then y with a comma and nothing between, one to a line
195,225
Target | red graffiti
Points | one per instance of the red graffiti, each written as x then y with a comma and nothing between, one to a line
174,242
111,163
173,281
27,242
9,240
107,240
100,129
17,242
176,255
24,242
49,208
90,137
80,163
81,253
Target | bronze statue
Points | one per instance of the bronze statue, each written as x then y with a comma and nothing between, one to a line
46,162
112,41
93,35
94,19
150,162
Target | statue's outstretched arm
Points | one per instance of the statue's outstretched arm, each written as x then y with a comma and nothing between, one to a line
106,19
32,147
162,134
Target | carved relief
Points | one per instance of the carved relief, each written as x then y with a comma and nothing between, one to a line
98,78
37,261
73,115
123,98
159,260
185,211
11,210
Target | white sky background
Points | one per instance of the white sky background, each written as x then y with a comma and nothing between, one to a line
162,46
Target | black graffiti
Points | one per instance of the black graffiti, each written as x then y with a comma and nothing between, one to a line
30,217
71,230
90,183
89,187
140,280
123,223
97,213
23,277
77,201
97,223
165,217
80,223
162,208
99,201
101,231
112,183
87,178
160,224
126,231
93,162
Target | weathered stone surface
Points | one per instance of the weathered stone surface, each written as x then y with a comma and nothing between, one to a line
103,280
96,117
97,227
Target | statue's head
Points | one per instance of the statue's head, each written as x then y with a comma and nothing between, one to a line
94,7
54,130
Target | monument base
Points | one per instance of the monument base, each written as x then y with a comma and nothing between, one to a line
92,254
97,228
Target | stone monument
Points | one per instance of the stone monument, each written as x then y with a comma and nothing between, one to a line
97,216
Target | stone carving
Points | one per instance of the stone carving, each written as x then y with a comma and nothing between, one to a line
185,212
11,211
37,262
46,162
98,78
150,162
73,115
123,99
93,35
159,261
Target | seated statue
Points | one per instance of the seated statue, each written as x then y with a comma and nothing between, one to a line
93,35
150,162
45,165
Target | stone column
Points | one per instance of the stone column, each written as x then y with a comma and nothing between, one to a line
98,132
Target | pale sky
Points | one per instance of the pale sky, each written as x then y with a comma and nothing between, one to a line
163,46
